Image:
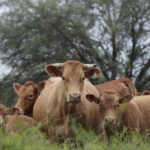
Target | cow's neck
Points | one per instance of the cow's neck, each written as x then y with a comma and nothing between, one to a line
29,114
69,109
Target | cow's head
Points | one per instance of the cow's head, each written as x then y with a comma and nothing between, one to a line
109,102
73,74
4,111
27,95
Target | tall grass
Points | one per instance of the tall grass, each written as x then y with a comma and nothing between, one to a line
33,139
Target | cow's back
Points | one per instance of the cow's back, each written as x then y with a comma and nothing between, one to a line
16,122
122,86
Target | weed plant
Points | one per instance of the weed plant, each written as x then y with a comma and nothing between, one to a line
33,139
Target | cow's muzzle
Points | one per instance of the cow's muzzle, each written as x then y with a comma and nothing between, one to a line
75,98
109,120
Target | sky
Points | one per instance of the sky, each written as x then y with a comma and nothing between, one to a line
4,69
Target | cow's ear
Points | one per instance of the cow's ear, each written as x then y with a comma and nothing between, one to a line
53,71
13,111
125,99
146,92
92,98
89,73
41,86
17,87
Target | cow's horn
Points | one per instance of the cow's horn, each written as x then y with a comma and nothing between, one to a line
59,65
89,66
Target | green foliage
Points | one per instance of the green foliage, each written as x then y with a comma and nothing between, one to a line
34,140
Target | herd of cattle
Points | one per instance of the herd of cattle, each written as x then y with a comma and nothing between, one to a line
70,95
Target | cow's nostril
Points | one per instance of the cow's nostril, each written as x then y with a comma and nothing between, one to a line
75,98
109,120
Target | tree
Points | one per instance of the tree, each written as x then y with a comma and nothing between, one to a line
112,34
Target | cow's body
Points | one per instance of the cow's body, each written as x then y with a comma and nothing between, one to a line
133,114
54,106
18,122
63,98
122,86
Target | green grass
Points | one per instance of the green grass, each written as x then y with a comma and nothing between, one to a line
34,140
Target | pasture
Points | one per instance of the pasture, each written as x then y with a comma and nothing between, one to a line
32,139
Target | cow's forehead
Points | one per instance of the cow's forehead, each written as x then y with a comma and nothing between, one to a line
26,89
73,69
109,99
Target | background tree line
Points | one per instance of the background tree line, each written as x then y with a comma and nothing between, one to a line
114,34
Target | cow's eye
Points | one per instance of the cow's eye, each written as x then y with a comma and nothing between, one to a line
100,105
30,96
83,78
63,78
117,105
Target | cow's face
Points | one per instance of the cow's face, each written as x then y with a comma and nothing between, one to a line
73,76
27,95
109,107
109,104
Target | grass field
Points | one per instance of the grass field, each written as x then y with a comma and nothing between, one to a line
34,140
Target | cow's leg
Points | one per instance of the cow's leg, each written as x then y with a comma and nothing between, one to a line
132,124
67,127
104,132
51,135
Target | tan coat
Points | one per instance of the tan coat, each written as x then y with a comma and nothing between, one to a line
131,112
122,86
18,122
51,104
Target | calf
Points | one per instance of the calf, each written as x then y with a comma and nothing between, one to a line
8,111
114,110
27,96
12,120
16,122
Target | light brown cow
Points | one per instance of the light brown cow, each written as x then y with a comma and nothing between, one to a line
146,92
18,122
27,96
63,98
12,120
114,110
8,111
122,86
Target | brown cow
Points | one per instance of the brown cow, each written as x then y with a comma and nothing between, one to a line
27,96
122,86
64,98
16,122
146,92
12,120
8,111
114,110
